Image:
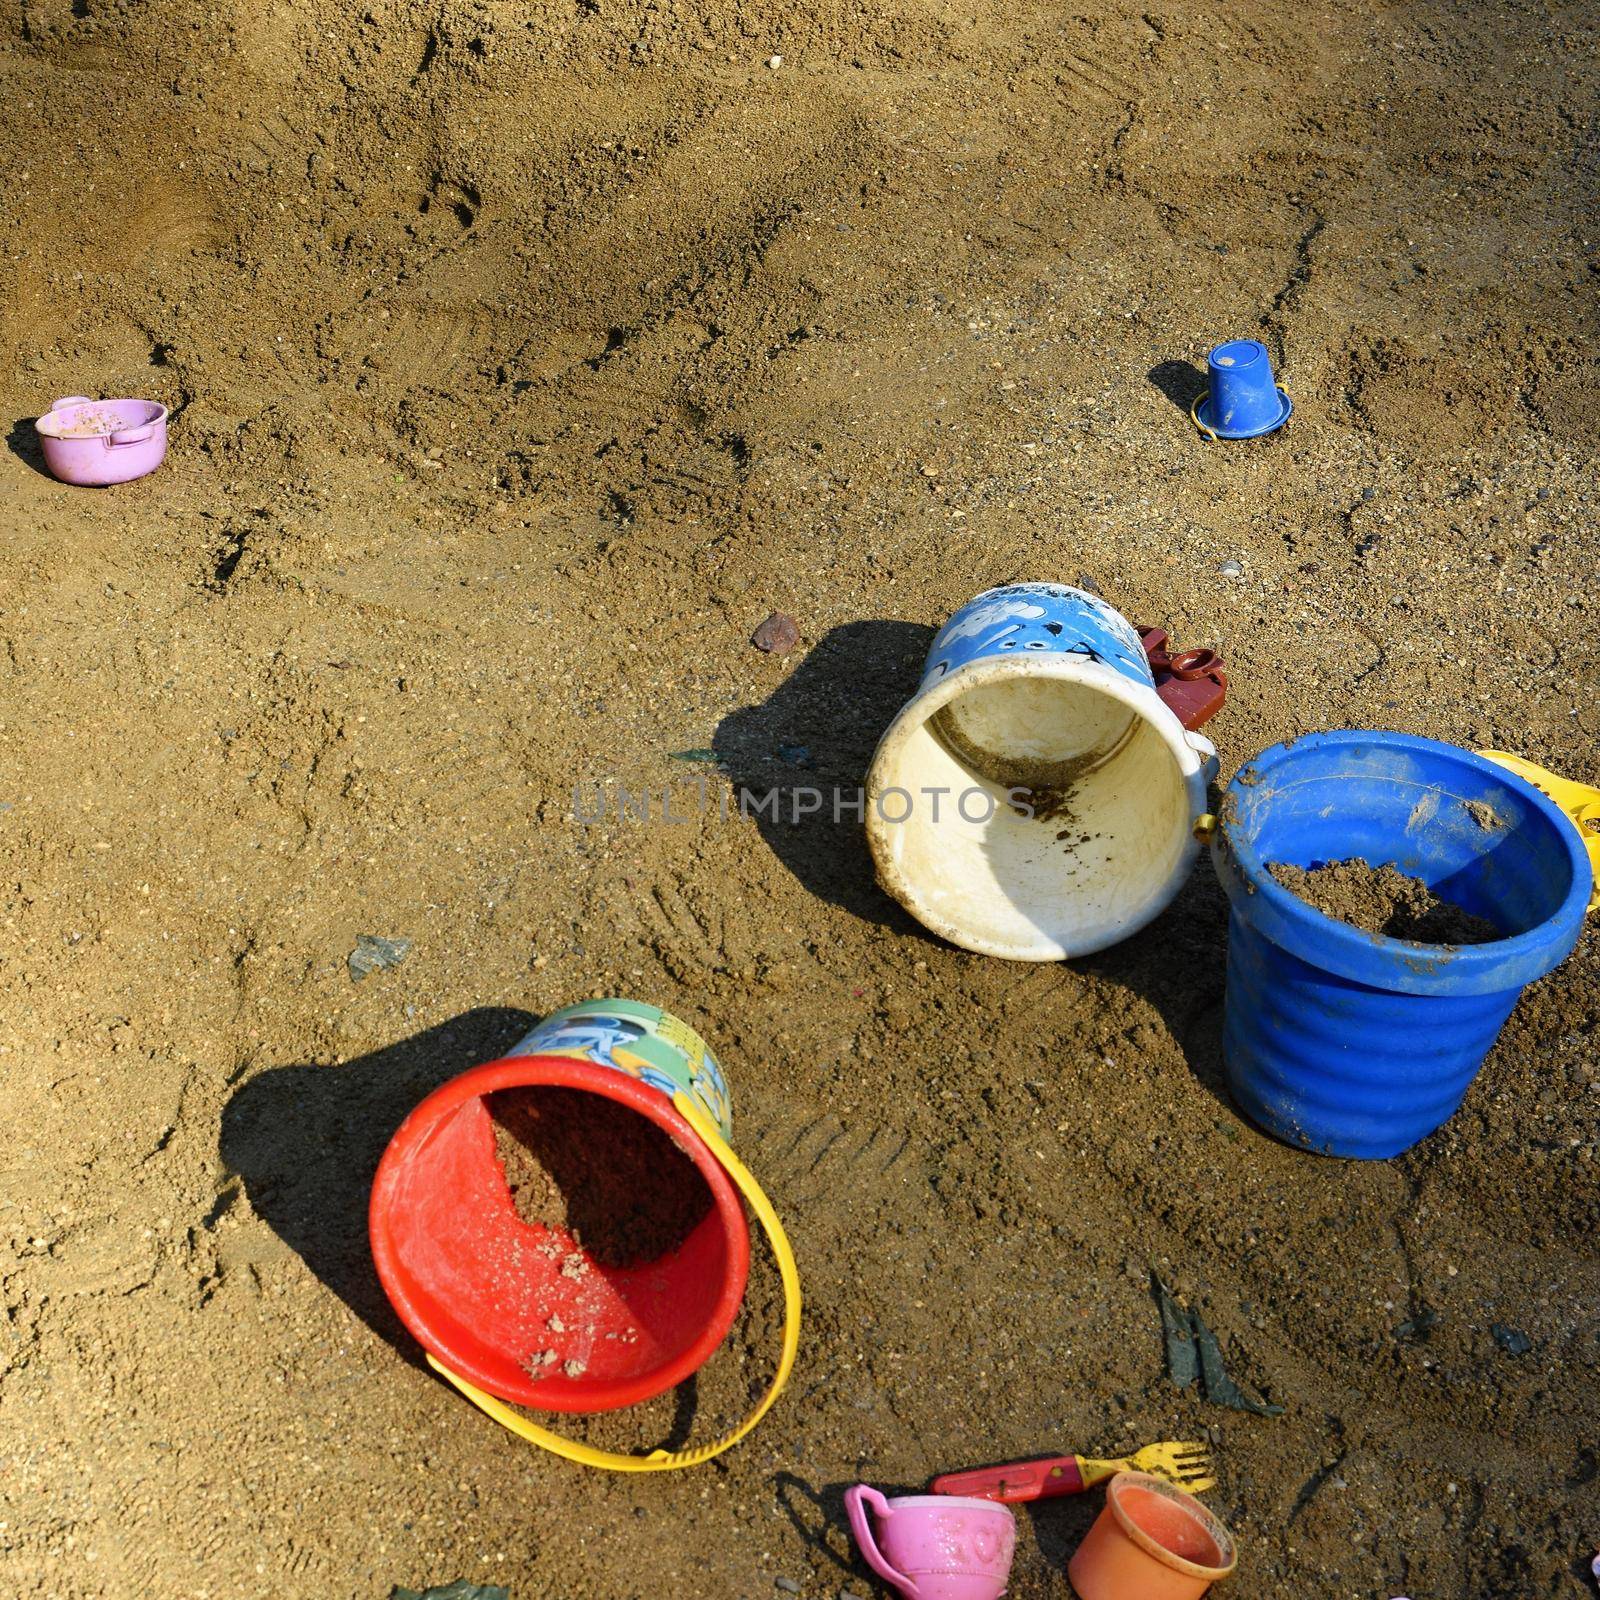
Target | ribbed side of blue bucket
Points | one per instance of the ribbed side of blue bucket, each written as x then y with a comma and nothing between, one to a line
1336,1067
1348,1042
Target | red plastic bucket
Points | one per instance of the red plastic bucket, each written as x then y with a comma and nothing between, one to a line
484,1291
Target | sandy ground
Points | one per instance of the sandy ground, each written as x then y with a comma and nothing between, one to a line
522,359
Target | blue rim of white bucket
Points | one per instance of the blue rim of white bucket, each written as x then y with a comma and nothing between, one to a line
1370,958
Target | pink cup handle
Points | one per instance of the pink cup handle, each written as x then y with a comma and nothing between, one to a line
856,1501
71,400
131,435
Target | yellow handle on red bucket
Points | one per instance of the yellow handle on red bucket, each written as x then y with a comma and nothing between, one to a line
668,1460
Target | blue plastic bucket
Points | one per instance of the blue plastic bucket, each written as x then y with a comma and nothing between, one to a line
1243,400
1351,1043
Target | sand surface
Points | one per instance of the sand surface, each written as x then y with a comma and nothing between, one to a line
522,359
611,1182
1383,900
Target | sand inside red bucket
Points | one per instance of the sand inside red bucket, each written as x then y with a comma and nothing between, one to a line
609,1178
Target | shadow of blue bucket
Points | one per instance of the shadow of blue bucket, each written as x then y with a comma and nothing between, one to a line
1351,1043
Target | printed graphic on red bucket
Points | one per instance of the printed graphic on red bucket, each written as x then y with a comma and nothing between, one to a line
644,1042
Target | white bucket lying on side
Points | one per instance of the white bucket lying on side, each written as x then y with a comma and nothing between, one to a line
1035,799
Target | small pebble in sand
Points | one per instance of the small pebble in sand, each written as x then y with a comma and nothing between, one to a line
375,953
777,636
788,1585
774,62
1231,568
1512,1340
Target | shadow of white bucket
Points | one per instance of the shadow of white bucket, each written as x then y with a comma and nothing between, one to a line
1036,799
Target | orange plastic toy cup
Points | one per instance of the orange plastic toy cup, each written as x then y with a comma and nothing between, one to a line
1150,1542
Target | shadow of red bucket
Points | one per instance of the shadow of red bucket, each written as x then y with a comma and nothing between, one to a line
486,1292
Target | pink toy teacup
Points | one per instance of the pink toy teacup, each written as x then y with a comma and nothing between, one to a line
934,1546
96,442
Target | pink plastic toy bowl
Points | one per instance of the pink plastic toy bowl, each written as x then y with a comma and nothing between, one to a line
934,1546
96,442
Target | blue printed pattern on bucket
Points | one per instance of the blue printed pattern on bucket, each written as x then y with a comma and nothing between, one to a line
1348,1042
1244,400
640,1040
1038,617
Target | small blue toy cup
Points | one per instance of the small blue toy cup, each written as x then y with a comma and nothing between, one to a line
1035,798
1351,1043
1244,400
